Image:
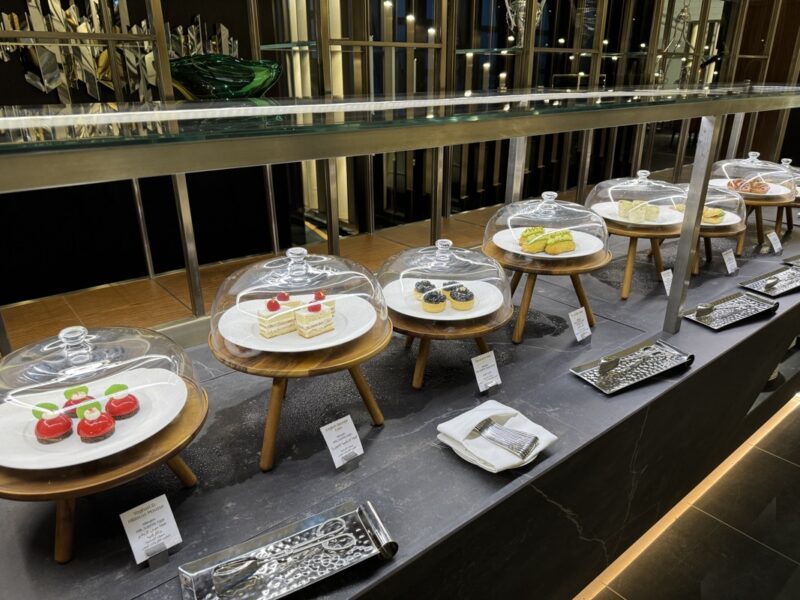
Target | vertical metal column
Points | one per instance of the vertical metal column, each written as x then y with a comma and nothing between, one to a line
438,190
269,191
5,343
523,78
326,169
164,78
690,230
587,136
624,44
736,133
762,75
783,116
148,255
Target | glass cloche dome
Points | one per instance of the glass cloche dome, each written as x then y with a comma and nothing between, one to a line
443,283
724,209
87,394
794,175
753,178
638,202
296,303
545,230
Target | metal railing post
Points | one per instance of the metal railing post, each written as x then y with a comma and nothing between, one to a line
707,141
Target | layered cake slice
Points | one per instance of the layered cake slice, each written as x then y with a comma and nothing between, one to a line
314,319
278,318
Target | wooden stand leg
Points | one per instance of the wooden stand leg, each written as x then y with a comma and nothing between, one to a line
655,248
740,243
271,426
422,360
778,219
482,345
515,281
582,298
759,225
182,471
627,278
409,341
366,395
789,219
524,306
65,526
709,252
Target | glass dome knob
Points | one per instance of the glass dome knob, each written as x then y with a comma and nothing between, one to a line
76,344
786,162
642,175
548,205
753,156
443,250
297,264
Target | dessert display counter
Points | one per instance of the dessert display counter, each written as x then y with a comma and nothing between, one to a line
619,462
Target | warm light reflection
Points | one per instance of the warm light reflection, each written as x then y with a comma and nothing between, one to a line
652,534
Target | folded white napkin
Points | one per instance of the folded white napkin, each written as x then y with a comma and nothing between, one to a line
459,434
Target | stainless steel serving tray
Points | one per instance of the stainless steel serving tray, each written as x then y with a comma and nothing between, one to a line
289,558
731,309
792,260
633,365
788,280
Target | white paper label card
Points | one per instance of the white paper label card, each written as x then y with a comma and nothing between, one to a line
666,277
151,528
775,242
730,261
342,440
580,324
486,371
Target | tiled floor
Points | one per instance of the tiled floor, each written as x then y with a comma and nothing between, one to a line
147,303
740,539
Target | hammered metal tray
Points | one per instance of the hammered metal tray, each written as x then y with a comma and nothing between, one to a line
288,559
792,260
775,283
633,365
731,309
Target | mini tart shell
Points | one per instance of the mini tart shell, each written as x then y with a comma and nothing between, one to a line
432,307
463,304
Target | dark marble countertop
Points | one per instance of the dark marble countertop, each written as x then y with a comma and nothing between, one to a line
422,490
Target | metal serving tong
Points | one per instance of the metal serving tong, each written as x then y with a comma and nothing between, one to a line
328,537
611,363
517,442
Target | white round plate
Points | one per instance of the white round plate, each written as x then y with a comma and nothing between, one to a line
353,318
161,394
727,220
400,297
585,244
775,190
668,215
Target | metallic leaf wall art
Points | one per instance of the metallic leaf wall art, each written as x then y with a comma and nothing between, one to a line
69,64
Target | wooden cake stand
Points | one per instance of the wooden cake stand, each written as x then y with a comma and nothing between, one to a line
65,485
656,235
756,206
427,330
574,268
707,233
282,366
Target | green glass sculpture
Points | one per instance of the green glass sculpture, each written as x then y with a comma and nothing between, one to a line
222,77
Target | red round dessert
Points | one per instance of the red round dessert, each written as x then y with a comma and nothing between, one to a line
75,401
95,426
273,305
52,429
314,307
319,295
283,296
122,408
